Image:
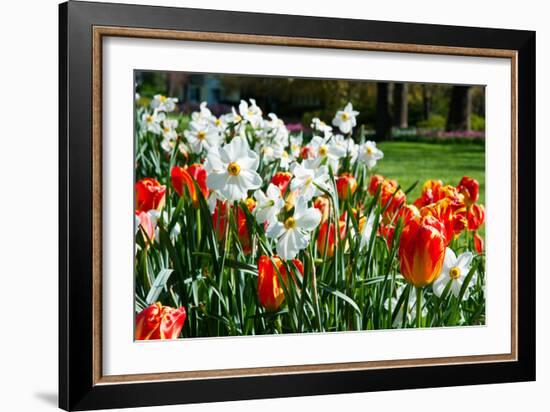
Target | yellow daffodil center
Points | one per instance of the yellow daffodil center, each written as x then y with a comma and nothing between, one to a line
238,118
250,203
308,181
290,223
369,150
234,169
201,135
344,116
285,153
162,99
454,273
149,119
218,122
323,150
250,112
166,129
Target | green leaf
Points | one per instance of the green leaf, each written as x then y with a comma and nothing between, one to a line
342,296
158,285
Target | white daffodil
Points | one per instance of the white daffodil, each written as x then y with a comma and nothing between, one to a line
203,115
407,309
296,145
155,216
163,103
232,118
268,205
169,129
366,228
294,233
347,143
269,152
202,136
251,113
307,176
325,148
277,129
286,160
369,154
151,121
455,270
320,126
232,169
345,119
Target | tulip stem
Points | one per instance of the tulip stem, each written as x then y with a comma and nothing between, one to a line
418,307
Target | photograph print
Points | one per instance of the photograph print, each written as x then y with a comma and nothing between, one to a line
277,205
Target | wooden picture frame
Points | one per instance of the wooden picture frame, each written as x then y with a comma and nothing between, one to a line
82,27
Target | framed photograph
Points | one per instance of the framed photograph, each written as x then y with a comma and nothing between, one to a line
257,205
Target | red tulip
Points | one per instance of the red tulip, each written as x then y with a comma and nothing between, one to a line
306,152
270,291
422,250
476,216
150,195
159,322
330,245
478,243
281,180
184,178
346,185
469,187
219,219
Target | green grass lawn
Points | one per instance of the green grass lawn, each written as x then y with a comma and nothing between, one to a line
408,162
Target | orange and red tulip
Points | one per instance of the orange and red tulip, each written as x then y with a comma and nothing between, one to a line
393,200
431,193
450,213
476,216
422,250
478,243
387,231
327,247
407,213
346,185
270,291
184,178
390,197
469,187
281,180
322,204
242,227
377,180
159,322
150,194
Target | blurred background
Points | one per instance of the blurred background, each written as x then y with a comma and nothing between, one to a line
405,111
426,131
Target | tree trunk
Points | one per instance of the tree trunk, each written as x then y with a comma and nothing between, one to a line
383,116
401,105
460,109
426,101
